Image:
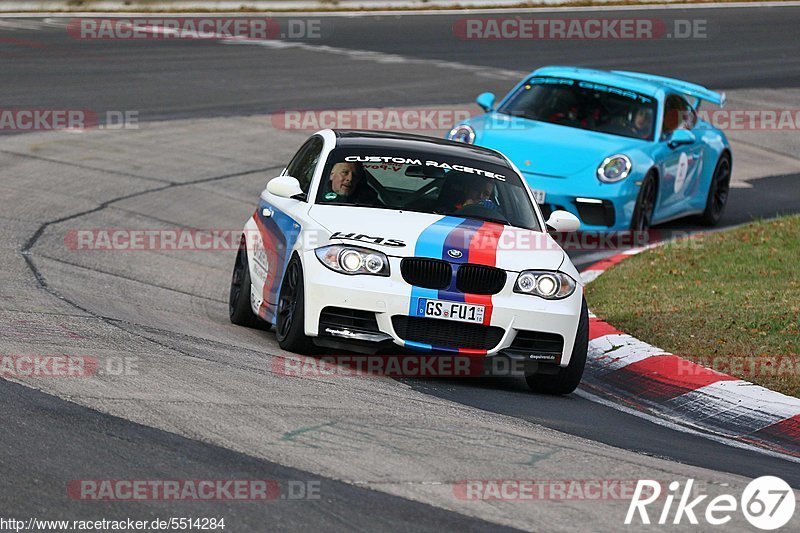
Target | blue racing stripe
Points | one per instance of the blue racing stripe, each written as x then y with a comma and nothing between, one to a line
458,240
421,346
430,243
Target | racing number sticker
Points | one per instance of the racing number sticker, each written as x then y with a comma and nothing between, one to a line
682,170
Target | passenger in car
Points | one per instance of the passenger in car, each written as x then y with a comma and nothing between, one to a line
462,189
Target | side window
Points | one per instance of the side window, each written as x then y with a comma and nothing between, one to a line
678,114
690,118
305,162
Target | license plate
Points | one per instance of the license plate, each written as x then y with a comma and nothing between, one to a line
459,312
538,195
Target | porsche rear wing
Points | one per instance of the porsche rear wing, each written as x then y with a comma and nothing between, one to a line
689,89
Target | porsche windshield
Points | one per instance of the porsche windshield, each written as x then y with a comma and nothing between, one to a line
585,105
426,183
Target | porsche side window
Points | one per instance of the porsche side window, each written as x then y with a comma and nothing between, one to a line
304,162
690,118
678,114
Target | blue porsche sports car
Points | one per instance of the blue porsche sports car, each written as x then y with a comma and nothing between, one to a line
621,150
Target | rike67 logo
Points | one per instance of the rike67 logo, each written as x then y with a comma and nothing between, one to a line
767,503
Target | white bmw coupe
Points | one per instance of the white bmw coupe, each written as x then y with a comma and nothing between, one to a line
370,241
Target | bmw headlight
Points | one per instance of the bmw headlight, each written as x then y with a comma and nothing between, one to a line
462,133
614,168
353,260
545,284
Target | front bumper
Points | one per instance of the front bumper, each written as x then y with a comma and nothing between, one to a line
389,297
601,207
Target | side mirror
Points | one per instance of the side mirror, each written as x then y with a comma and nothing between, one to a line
486,101
680,138
563,222
285,187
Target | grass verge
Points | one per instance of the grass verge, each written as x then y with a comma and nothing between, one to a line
729,300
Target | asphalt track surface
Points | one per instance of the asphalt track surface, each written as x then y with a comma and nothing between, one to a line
48,441
745,48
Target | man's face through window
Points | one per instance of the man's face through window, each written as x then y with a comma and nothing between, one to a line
344,178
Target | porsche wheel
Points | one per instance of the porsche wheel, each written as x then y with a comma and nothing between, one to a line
718,192
567,378
645,204
289,326
239,309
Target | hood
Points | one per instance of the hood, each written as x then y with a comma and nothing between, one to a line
454,239
548,149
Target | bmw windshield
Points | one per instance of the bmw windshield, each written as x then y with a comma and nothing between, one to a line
426,183
584,105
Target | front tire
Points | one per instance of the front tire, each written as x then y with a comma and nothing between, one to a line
290,323
645,204
239,309
567,378
718,192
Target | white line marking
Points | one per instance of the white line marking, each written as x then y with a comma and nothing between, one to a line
683,429
739,404
613,352
588,276
381,57
357,55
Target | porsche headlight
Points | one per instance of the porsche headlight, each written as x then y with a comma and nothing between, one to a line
614,168
462,133
545,284
353,260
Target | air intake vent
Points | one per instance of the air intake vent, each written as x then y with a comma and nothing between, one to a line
447,334
542,346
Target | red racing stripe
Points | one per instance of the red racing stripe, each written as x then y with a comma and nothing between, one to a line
470,351
483,245
269,249
483,251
